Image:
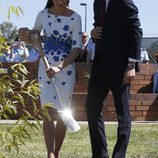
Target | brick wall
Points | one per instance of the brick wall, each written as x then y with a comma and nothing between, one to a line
143,103
32,75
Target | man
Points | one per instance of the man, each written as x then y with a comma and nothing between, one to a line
144,58
20,52
90,50
83,56
118,40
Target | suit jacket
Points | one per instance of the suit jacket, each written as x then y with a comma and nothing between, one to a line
121,36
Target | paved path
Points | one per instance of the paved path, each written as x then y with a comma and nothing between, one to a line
85,122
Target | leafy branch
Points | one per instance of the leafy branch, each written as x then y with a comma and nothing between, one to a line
15,92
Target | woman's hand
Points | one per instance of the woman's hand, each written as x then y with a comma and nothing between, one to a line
52,71
24,34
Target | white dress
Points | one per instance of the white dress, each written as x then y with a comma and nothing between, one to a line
61,35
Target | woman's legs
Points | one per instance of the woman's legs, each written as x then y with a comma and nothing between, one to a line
49,132
49,136
54,135
59,136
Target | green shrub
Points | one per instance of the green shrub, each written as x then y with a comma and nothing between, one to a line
15,91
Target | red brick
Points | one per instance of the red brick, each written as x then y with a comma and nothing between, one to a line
136,113
135,102
132,108
142,108
147,103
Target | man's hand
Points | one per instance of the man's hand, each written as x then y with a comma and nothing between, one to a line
96,33
129,75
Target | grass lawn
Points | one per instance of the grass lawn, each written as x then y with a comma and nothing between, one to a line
143,143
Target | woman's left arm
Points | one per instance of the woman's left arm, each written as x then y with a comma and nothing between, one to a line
70,58
76,42
76,48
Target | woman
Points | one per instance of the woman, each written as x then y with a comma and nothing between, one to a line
62,44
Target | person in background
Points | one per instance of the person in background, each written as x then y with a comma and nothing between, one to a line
90,50
155,78
62,44
83,55
33,54
19,51
6,53
144,58
118,37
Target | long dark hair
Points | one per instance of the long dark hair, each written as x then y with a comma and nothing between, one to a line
50,4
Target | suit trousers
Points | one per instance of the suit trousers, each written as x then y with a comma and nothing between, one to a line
99,85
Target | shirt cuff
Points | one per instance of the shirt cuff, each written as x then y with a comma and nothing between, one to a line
133,60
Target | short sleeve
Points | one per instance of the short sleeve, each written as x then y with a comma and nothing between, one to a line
38,23
76,34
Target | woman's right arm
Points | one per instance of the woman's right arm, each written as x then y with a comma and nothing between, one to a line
24,32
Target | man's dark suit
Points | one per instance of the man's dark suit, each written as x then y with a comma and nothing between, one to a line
121,40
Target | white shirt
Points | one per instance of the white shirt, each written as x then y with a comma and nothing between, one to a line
107,2
144,55
90,50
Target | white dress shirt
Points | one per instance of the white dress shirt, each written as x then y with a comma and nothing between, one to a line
106,2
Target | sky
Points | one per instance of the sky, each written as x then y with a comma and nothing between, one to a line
148,13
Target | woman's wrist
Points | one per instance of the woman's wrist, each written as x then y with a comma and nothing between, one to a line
59,67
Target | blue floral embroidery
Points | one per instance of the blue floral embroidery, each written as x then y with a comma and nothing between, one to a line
66,28
49,23
74,43
63,83
54,97
48,82
64,35
72,19
69,72
56,58
58,20
53,44
52,53
48,16
64,56
56,32
58,52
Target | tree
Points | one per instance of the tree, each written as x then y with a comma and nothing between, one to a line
8,30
